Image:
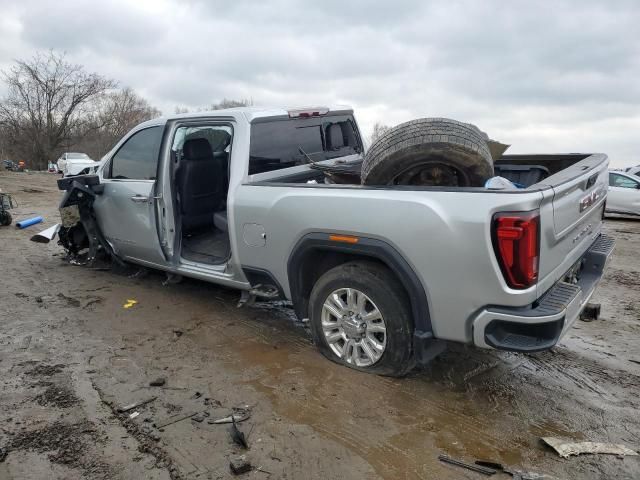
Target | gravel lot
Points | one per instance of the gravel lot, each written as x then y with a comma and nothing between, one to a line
70,355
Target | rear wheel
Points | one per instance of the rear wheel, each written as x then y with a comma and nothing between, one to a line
360,317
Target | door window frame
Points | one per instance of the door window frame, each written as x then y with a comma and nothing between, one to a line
109,164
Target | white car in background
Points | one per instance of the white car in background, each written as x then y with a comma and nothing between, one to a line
633,170
68,158
624,194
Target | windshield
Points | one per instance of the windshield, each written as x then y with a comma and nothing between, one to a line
283,143
78,156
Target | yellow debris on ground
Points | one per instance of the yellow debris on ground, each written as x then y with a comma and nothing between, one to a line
130,303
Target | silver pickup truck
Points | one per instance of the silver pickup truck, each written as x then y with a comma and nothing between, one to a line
384,274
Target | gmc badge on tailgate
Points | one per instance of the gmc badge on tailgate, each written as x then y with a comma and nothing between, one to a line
589,200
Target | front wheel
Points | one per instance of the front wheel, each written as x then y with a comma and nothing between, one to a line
360,317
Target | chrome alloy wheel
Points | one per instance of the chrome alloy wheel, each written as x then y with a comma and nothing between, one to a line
353,327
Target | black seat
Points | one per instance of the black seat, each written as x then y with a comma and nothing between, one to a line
201,181
335,138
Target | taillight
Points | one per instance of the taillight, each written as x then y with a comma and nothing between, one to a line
516,241
308,112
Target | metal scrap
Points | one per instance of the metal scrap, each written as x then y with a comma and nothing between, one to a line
468,466
131,406
566,448
174,419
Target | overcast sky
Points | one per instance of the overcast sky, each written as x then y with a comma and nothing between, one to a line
561,76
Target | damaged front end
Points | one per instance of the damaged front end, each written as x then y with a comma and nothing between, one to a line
79,233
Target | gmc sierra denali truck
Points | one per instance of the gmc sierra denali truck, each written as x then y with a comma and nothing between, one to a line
384,274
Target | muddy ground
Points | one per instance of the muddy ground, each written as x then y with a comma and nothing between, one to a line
71,354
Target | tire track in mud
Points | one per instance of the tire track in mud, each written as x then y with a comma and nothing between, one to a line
565,366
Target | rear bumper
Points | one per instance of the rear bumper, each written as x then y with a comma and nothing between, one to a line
540,325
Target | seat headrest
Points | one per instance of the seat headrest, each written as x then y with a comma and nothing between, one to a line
197,148
225,142
334,134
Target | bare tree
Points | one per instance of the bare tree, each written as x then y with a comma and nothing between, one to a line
379,129
46,103
114,115
229,103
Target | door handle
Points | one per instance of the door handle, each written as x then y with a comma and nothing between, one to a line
139,199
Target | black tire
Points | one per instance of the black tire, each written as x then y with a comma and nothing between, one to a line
383,288
429,151
5,218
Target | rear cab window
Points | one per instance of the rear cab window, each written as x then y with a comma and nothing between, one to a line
284,143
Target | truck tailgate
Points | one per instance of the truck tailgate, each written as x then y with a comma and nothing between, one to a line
576,205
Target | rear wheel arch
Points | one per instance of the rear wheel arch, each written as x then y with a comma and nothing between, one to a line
315,254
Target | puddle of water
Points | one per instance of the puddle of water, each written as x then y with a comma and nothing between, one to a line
397,425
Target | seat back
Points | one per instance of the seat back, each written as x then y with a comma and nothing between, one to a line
200,184
335,138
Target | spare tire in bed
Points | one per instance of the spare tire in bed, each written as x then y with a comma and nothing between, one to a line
430,152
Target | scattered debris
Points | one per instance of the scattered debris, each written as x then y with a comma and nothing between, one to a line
58,396
237,436
174,419
489,464
177,333
3,454
28,222
172,279
237,417
239,465
26,341
130,303
566,448
468,466
45,236
591,312
158,382
140,273
46,370
131,406
67,444
134,415
198,418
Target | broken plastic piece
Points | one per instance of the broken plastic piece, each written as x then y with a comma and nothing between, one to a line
566,448
45,236
235,418
237,435
130,303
